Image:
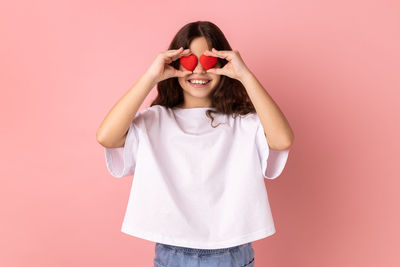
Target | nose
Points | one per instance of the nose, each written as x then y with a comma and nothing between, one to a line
199,68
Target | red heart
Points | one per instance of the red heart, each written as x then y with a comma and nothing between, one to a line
208,61
189,62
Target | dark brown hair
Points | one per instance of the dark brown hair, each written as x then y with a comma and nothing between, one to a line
229,96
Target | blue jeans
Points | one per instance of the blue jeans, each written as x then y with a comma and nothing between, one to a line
174,256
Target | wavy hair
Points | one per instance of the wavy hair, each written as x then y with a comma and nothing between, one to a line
229,96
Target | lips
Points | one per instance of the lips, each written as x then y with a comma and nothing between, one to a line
207,81
196,85
199,79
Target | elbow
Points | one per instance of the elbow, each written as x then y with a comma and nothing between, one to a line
283,144
289,143
108,143
100,139
280,147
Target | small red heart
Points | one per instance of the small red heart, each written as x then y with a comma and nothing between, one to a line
208,61
189,62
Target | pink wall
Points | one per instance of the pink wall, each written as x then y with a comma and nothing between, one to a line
332,66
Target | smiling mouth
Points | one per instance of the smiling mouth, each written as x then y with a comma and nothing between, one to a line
198,79
198,85
190,81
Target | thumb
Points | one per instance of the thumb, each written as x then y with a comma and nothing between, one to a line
213,70
182,73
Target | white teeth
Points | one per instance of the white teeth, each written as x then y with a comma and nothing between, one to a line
198,81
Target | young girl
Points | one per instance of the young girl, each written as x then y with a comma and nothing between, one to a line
199,153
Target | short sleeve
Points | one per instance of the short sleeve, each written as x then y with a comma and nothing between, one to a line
121,161
272,161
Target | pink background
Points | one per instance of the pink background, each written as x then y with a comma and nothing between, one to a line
333,67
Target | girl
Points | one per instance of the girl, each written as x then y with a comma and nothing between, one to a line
199,153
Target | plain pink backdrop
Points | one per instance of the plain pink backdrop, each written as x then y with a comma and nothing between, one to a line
333,67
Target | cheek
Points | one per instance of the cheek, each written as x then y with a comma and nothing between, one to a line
181,81
215,77
216,81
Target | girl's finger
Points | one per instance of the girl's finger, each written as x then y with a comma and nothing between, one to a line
219,51
183,53
186,52
223,54
216,54
210,53
217,71
181,73
174,51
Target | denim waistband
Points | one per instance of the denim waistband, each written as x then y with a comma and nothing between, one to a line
203,251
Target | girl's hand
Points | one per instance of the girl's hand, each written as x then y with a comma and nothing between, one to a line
160,70
235,68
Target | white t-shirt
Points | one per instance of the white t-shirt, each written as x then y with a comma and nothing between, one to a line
194,185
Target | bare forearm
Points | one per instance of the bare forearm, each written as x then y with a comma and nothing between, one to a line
116,124
277,129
